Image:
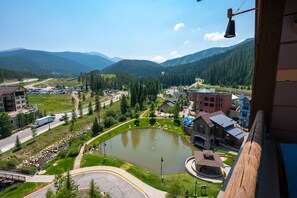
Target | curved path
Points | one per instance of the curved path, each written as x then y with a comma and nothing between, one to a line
115,181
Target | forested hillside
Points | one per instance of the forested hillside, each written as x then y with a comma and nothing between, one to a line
9,74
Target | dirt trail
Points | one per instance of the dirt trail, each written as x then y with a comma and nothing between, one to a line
76,101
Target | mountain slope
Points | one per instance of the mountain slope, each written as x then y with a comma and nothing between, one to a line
22,64
48,61
135,68
92,61
114,59
234,67
200,55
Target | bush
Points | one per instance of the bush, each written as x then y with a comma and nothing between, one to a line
12,163
136,122
28,170
62,154
122,118
72,152
109,121
111,113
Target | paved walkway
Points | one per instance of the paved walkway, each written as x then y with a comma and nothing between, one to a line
78,158
115,181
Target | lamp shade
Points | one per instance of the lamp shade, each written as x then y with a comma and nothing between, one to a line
230,31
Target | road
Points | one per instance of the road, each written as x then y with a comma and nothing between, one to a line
18,82
31,86
117,182
26,134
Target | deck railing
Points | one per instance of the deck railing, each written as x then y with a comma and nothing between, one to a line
243,180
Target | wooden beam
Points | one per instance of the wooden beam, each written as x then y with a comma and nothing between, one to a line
268,34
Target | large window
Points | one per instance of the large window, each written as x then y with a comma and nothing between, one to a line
206,104
206,98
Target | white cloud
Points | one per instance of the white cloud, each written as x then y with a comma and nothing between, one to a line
215,36
196,30
186,42
178,26
173,53
159,59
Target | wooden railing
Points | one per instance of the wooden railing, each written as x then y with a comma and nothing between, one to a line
243,180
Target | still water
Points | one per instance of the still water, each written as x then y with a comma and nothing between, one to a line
144,148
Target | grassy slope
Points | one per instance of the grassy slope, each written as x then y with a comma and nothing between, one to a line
20,190
56,103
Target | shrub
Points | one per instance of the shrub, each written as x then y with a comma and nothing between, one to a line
109,121
122,118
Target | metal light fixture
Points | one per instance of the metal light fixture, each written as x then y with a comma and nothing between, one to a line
230,31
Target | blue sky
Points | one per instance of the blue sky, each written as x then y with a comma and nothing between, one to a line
135,29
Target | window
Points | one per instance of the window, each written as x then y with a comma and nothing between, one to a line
211,105
206,104
245,108
18,102
244,115
206,98
201,128
220,105
211,99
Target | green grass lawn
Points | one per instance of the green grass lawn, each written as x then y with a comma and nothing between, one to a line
20,190
186,182
55,103
60,166
224,89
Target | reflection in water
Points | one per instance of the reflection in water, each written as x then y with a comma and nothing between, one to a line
144,148
135,139
124,138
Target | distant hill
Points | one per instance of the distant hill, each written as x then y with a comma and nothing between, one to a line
114,59
92,61
56,63
135,68
200,55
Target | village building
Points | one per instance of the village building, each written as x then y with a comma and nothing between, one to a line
13,98
213,129
209,101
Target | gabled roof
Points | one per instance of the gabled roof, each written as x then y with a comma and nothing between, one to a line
222,120
213,160
8,89
205,116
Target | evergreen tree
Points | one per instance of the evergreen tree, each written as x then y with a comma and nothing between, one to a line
95,128
5,125
94,191
111,102
152,111
97,103
90,108
66,118
80,106
17,143
73,118
84,97
136,108
124,105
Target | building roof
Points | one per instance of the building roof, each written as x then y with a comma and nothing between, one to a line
222,120
203,90
234,97
235,132
205,116
8,89
208,158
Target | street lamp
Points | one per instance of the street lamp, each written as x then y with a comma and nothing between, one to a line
104,145
195,195
162,168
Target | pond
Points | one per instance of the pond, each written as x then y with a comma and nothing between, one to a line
144,148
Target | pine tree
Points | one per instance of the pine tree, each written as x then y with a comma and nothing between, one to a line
80,106
90,108
95,128
111,102
124,105
97,103
5,125
73,116
152,111
66,118
84,97
94,191
136,108
17,143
